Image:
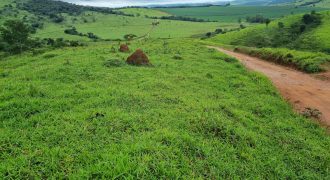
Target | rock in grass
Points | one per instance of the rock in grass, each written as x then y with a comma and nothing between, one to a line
124,48
138,58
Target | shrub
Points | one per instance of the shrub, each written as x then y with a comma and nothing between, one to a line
230,59
16,36
72,31
177,57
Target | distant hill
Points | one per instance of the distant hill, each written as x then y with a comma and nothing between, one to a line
317,3
290,32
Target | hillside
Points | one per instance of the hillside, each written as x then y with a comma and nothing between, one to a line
72,107
316,3
196,117
234,13
314,36
291,33
115,23
302,3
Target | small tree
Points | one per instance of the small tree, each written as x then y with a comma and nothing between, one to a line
239,20
267,21
16,34
129,37
218,31
280,25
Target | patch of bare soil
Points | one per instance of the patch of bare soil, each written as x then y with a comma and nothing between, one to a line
309,94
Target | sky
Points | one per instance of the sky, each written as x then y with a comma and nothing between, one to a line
123,3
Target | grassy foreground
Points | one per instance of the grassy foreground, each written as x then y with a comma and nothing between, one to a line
79,113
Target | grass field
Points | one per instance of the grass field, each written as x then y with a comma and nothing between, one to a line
144,12
5,2
315,40
322,3
233,13
83,113
115,27
65,114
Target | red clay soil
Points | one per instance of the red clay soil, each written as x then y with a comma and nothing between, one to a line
138,58
124,48
300,89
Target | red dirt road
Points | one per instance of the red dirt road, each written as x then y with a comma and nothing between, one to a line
300,89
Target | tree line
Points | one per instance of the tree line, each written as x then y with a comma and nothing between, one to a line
54,9
15,38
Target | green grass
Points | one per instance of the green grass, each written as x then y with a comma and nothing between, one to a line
66,115
5,2
144,12
233,13
115,27
306,49
323,3
309,62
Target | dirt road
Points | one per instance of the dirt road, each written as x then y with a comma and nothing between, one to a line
300,89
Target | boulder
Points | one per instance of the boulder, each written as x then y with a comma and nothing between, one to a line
138,58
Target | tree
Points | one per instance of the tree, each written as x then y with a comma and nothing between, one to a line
129,37
280,25
209,34
16,34
239,20
218,31
267,21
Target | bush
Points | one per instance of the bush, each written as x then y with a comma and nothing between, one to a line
177,57
15,36
230,59
72,31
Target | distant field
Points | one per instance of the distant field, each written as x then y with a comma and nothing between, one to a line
115,27
322,3
233,13
4,2
144,12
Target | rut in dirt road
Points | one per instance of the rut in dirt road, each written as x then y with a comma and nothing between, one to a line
300,89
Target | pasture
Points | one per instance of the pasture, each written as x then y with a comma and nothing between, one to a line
84,113
231,14
115,27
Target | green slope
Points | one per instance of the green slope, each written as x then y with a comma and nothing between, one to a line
314,39
110,26
316,3
233,13
144,12
64,114
115,27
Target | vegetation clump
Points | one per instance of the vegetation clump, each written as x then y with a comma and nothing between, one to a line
138,58
177,57
15,37
305,61
113,63
311,113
